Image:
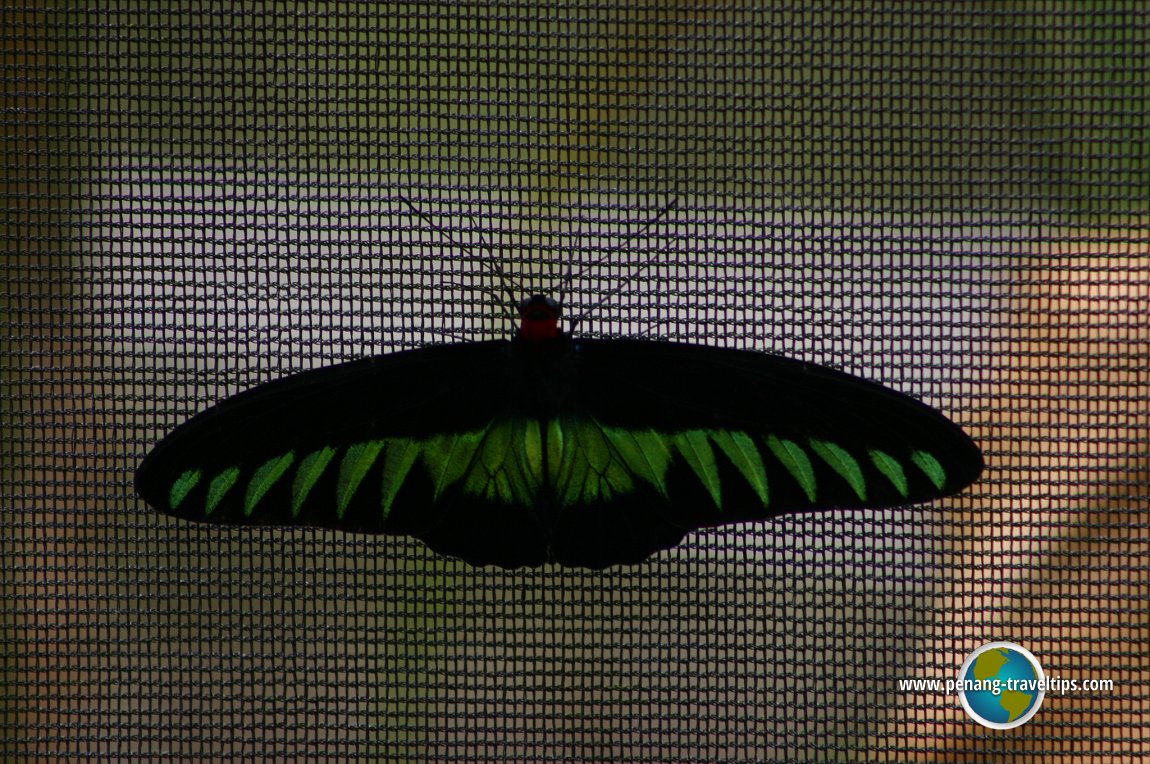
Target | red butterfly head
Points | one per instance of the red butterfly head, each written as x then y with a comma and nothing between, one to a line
539,318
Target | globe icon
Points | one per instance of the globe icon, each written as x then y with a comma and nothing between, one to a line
1001,685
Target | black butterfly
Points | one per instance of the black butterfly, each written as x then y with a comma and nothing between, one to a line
553,448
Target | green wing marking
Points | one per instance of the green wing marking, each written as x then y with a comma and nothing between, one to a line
930,467
310,470
490,476
889,466
644,452
842,463
591,468
448,457
533,449
504,468
740,448
796,461
555,443
183,486
697,451
352,470
577,460
220,485
398,459
264,478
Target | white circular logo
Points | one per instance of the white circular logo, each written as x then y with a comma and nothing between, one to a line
1001,685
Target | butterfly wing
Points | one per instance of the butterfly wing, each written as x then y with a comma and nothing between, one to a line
711,436
587,452
338,447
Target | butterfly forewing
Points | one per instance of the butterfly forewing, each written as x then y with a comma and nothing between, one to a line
825,439
311,449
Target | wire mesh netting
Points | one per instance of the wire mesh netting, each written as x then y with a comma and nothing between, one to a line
952,200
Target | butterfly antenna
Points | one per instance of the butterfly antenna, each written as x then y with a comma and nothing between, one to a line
452,335
562,296
622,284
652,325
491,266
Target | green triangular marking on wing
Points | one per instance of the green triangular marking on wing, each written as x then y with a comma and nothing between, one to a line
486,476
740,448
584,456
644,453
496,445
182,487
555,442
889,466
796,461
571,475
599,463
532,453
656,453
220,485
930,467
264,478
502,462
398,458
512,460
448,457
616,479
593,443
352,469
517,478
503,470
608,472
528,462
696,450
842,463
309,471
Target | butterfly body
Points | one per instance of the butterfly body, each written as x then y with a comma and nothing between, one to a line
548,448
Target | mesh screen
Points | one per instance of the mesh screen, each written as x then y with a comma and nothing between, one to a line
951,199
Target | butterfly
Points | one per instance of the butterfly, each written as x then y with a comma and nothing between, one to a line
553,448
